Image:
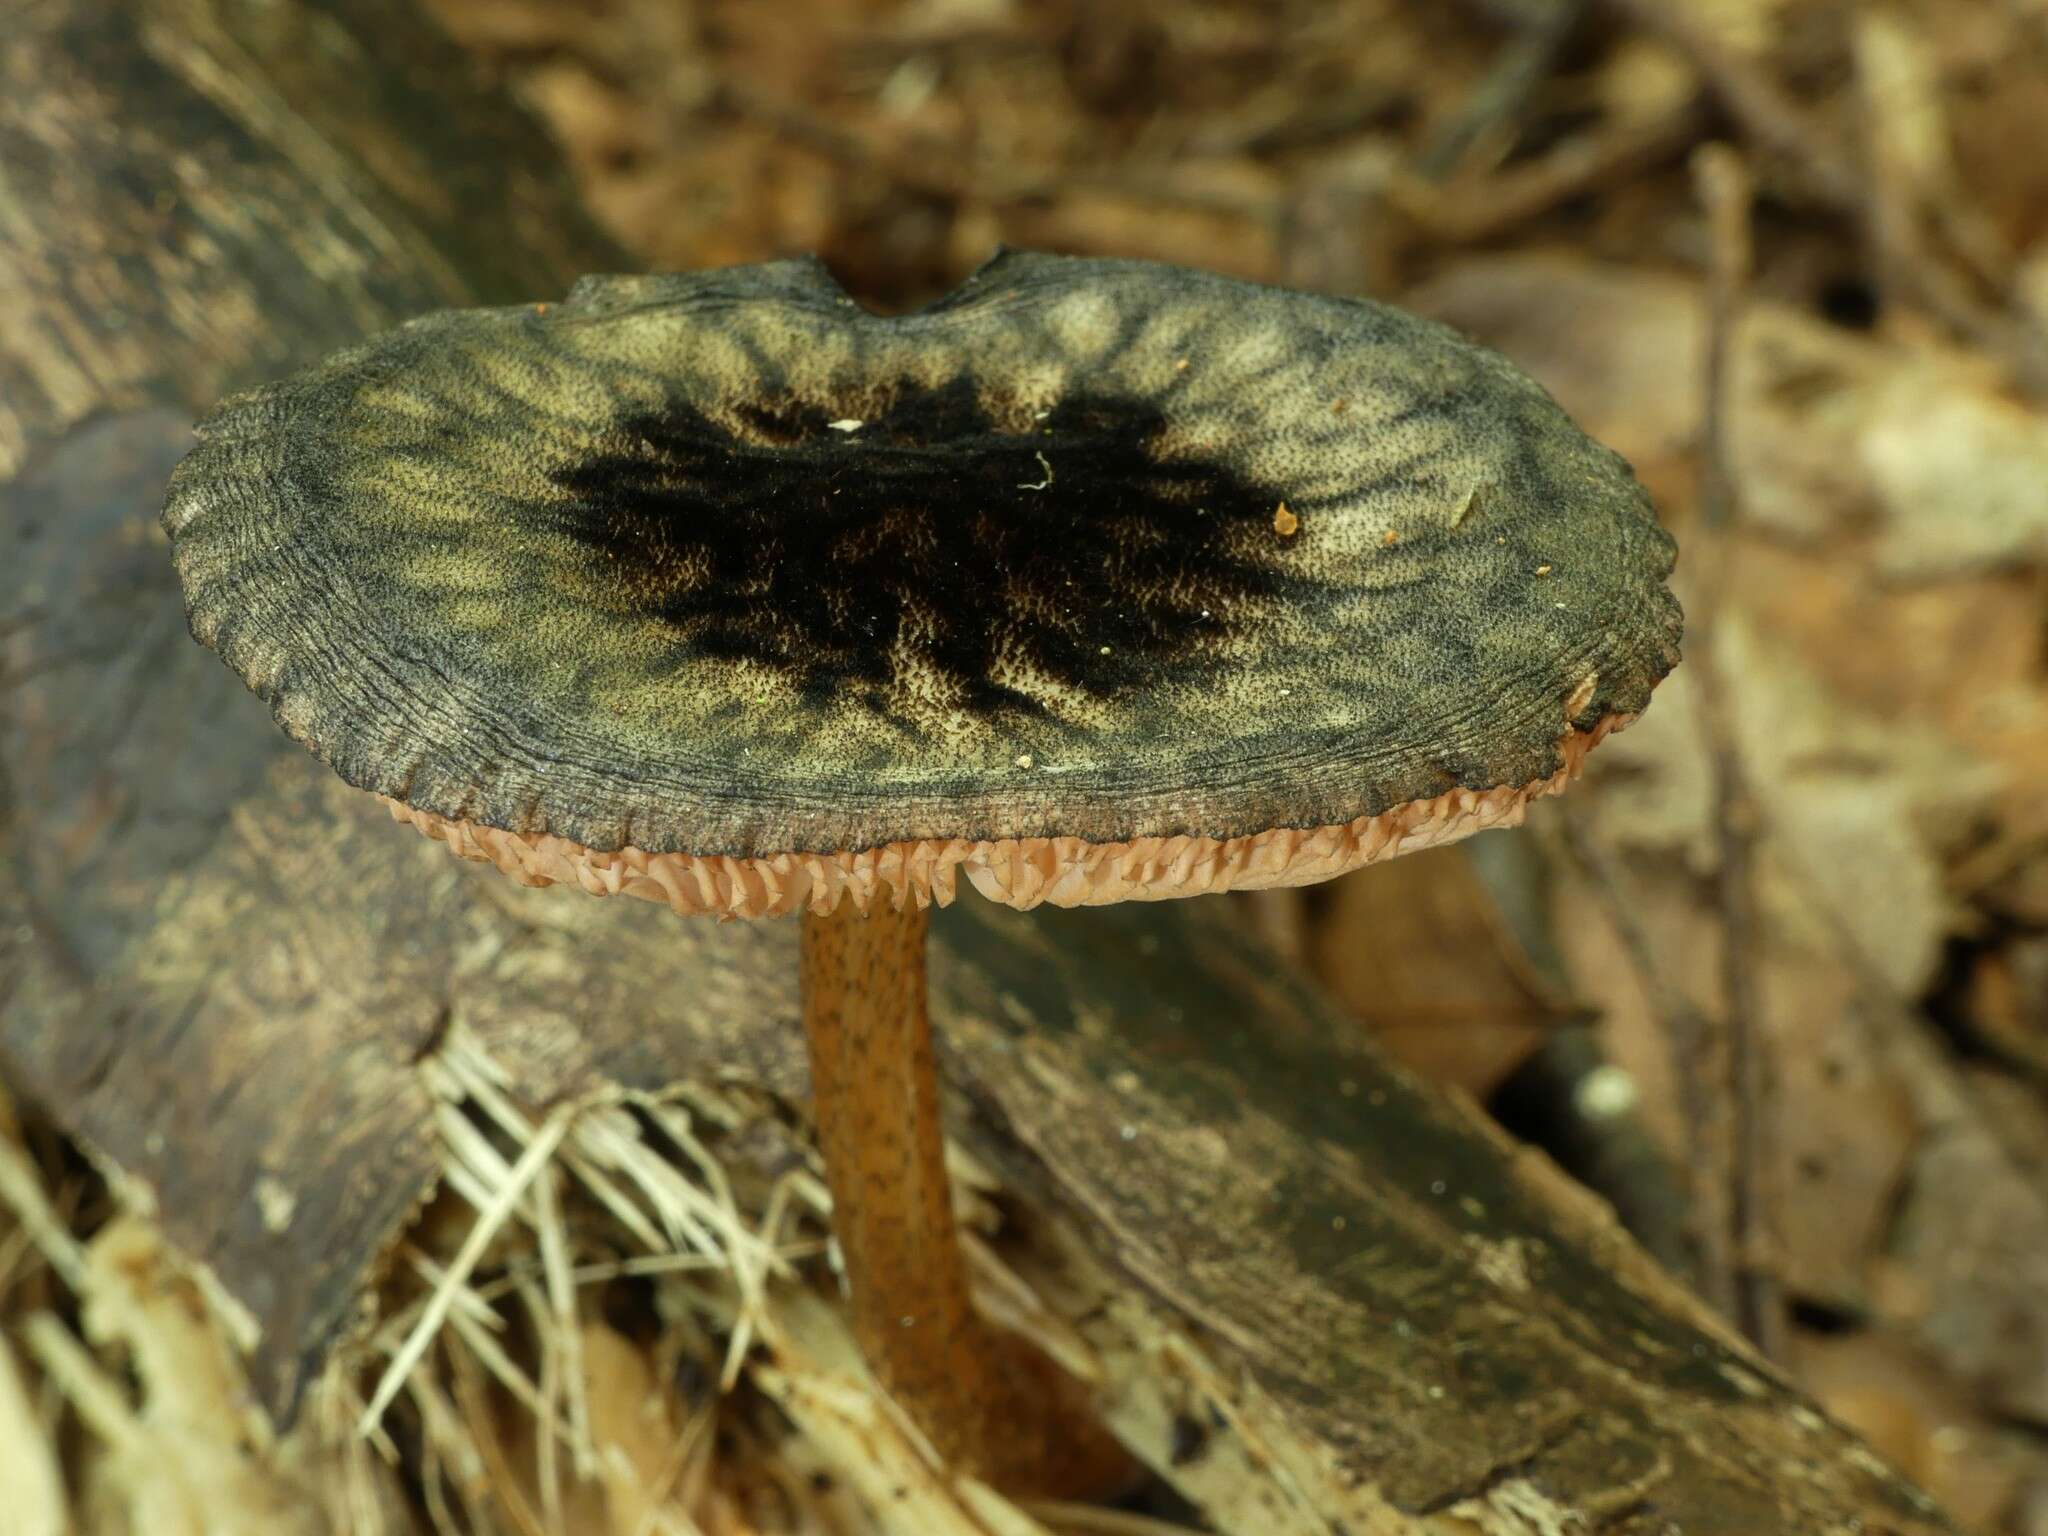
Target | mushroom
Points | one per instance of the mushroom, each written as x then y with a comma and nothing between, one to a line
1094,581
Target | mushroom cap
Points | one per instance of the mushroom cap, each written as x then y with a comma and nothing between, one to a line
723,569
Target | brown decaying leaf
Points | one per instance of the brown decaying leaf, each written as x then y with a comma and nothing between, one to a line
1425,959
1890,703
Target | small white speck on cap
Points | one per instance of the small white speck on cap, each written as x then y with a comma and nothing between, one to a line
847,425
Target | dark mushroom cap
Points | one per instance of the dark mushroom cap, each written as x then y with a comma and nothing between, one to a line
722,565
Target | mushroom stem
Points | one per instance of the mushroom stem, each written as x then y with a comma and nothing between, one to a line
876,1091
988,1400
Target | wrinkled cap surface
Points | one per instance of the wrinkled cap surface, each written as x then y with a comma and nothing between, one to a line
722,564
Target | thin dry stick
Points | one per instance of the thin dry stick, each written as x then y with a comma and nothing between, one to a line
1495,206
1505,91
1901,209
1690,1035
1755,101
1891,229
1723,183
1771,117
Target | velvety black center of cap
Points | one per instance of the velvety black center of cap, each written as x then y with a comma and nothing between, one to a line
926,540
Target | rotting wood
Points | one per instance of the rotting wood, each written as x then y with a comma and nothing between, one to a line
218,966
194,196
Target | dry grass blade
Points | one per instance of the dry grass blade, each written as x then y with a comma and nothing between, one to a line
447,1452
79,1379
489,1220
566,1333
22,1192
1094,1520
29,1471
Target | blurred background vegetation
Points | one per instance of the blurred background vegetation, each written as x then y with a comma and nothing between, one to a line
1774,979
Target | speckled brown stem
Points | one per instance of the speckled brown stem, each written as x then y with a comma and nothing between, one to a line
988,1400
877,1096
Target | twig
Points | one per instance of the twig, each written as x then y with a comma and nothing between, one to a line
1724,188
1769,116
1505,91
1900,206
1890,229
1469,214
1691,1038
1763,110
1722,181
